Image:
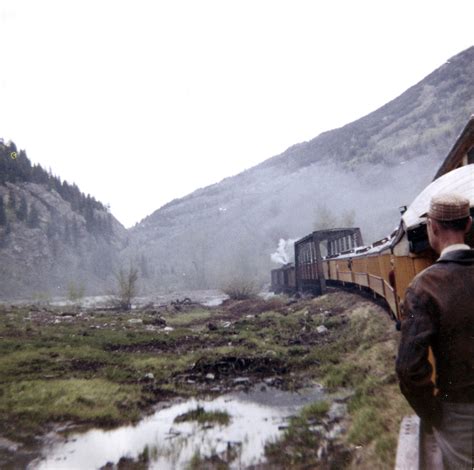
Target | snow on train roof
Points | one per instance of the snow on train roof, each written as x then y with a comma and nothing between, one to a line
376,247
460,181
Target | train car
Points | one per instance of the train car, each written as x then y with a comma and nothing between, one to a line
284,280
311,272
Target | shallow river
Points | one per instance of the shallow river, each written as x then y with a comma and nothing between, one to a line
256,417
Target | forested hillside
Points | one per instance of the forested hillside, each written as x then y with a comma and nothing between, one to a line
422,121
53,238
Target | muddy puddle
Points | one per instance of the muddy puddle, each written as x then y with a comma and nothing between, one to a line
256,417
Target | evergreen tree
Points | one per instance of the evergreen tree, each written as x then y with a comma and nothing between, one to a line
3,214
12,200
22,212
23,166
3,167
38,175
12,147
4,236
89,216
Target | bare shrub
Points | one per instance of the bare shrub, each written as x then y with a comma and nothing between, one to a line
239,289
42,299
126,288
75,292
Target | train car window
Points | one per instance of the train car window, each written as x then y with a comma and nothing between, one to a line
418,239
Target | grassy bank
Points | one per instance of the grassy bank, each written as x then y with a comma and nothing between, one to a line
107,368
360,357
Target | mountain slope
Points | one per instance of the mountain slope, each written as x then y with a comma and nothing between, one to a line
53,238
360,173
423,120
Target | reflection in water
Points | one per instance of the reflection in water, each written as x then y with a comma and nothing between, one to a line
255,418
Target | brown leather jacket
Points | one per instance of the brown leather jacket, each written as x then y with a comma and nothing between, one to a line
439,312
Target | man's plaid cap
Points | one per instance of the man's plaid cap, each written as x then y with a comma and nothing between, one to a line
449,206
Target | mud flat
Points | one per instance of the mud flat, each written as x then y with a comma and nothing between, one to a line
63,367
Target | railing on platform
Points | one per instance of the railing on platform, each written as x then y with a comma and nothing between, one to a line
362,279
376,284
345,276
391,299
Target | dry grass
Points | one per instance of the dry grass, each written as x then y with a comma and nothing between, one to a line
360,355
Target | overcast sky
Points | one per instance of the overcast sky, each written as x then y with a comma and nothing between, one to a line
140,102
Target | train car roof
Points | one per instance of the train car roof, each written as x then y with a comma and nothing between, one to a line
459,181
328,233
376,247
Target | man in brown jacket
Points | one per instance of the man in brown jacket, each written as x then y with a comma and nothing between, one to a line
439,313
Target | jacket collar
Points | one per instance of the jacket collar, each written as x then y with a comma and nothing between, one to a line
457,256
456,246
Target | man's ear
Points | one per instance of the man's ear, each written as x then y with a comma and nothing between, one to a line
469,225
434,227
